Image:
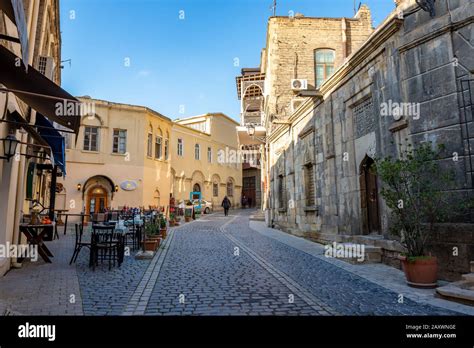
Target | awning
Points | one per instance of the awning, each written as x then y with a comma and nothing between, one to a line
55,140
20,121
39,92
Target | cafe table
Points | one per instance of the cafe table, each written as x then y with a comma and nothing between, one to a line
35,235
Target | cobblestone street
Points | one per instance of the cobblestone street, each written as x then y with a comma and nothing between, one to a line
217,266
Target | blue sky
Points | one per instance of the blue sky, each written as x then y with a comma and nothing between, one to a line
178,67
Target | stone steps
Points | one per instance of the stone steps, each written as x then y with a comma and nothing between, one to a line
461,291
258,216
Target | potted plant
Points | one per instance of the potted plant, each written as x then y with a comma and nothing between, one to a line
413,190
152,237
188,214
163,226
172,219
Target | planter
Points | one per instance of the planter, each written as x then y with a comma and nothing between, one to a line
163,233
188,218
172,223
421,272
151,244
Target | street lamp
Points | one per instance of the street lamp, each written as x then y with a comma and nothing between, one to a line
251,130
79,186
9,147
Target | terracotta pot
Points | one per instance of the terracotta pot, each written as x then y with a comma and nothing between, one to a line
188,218
151,245
422,272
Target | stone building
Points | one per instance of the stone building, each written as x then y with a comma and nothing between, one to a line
129,155
320,157
30,75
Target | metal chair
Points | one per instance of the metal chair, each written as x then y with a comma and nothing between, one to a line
79,243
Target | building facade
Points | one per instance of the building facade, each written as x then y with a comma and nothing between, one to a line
203,161
30,75
320,156
128,155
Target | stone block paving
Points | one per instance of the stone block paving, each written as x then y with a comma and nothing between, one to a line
202,270
40,288
346,292
107,292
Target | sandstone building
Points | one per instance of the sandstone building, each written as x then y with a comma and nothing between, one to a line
322,140
128,155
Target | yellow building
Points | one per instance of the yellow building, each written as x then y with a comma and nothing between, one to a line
202,159
121,158
30,75
128,155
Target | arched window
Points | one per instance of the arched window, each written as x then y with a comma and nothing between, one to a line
197,152
158,145
323,64
196,188
167,146
230,189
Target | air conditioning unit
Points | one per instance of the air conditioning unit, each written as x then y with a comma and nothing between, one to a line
46,66
299,84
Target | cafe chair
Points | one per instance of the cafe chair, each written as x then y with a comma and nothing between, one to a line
79,242
106,245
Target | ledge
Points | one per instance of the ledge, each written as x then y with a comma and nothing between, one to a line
310,209
398,125
282,210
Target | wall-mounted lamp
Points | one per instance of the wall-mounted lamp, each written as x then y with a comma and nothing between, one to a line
79,186
9,147
116,188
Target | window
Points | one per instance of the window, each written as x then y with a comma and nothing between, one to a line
309,184
158,148
230,189
197,152
215,189
149,147
281,191
91,138
324,65
119,144
209,155
167,150
180,147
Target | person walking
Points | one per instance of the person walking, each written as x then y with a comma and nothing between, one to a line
226,205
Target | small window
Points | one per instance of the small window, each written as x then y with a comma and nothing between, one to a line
91,138
167,150
230,189
209,154
149,146
215,189
158,148
119,144
309,184
324,65
197,152
180,147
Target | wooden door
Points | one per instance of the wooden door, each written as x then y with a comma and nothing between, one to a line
372,199
249,189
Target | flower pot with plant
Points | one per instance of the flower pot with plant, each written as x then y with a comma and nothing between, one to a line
152,236
163,227
188,214
412,187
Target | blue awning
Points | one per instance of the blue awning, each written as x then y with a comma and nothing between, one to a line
55,140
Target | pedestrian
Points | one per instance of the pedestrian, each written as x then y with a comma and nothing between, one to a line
226,205
244,201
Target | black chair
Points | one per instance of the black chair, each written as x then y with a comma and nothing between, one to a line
79,243
106,245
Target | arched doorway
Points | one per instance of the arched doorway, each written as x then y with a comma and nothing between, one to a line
196,188
369,196
96,199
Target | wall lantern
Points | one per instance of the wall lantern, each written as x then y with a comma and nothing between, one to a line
9,147
79,186
116,188
251,130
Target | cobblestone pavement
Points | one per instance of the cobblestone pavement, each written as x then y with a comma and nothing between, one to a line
213,266
219,266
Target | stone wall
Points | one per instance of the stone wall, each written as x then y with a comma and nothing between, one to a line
418,60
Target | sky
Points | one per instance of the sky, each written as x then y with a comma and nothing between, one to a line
178,57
